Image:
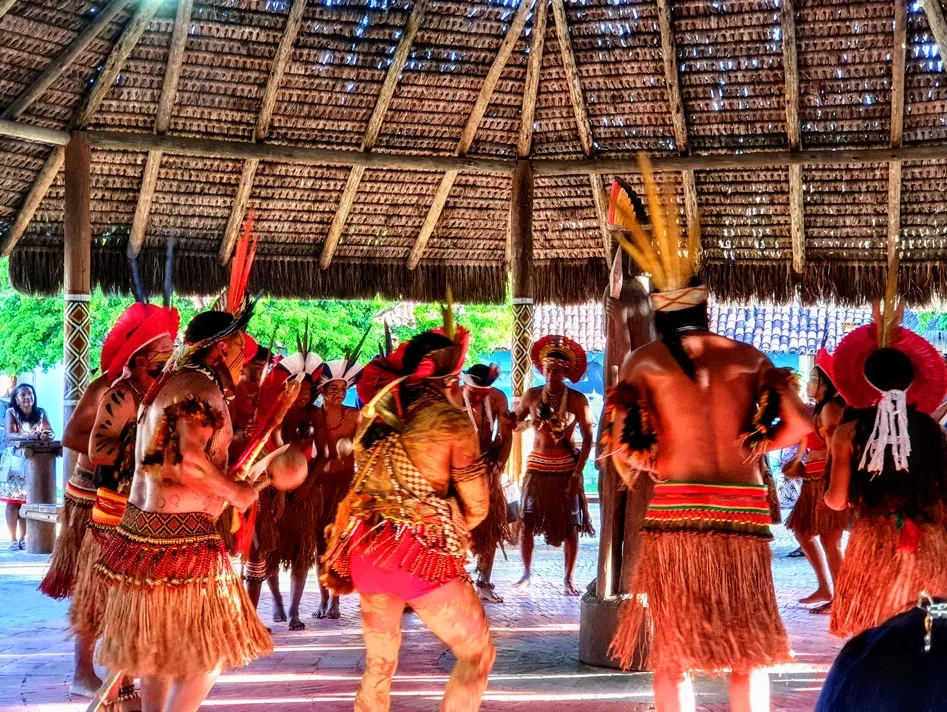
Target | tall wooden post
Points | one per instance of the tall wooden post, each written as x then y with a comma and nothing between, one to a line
77,278
521,266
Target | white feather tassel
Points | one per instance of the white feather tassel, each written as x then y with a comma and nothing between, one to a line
891,429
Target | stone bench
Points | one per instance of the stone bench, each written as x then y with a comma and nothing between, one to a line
49,513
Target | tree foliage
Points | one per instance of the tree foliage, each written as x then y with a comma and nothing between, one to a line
31,328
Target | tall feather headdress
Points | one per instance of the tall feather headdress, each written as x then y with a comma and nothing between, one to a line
663,254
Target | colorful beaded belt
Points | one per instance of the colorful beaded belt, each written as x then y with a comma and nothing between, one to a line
702,507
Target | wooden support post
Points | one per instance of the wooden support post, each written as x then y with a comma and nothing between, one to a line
797,212
521,238
77,279
938,25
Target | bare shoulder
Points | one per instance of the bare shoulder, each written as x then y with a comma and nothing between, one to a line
189,383
499,398
832,412
577,399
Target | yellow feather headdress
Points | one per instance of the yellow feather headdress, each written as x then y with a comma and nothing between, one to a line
670,263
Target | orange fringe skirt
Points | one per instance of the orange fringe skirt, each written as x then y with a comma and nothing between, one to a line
810,516
703,587
176,608
878,581
77,511
91,590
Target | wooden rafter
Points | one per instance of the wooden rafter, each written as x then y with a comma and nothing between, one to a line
169,90
524,143
103,84
5,7
470,130
284,54
577,99
61,63
898,61
678,119
797,212
387,93
938,25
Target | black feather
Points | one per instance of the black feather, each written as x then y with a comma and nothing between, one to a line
138,288
168,271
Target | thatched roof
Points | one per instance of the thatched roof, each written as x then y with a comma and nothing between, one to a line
670,77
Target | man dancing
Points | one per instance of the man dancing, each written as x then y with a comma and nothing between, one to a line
335,426
176,612
553,497
681,412
78,501
401,534
489,413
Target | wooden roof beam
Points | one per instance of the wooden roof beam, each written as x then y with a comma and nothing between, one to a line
5,7
100,89
797,212
938,25
169,91
284,54
470,130
577,99
387,93
524,143
678,118
898,63
61,63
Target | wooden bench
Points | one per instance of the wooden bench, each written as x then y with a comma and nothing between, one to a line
49,513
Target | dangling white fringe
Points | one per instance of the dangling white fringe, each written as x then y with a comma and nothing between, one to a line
891,429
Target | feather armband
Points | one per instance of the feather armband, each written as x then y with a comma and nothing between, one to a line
766,421
637,434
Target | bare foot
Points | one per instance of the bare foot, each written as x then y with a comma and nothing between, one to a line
279,614
819,596
295,623
822,610
322,610
333,612
487,592
570,590
85,685
523,582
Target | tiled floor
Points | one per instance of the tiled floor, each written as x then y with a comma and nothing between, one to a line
536,635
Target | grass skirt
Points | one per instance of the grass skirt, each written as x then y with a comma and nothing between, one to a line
257,566
176,608
547,504
77,511
810,516
297,533
707,586
332,488
492,531
877,581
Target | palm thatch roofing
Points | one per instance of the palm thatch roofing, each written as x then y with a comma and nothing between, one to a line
200,110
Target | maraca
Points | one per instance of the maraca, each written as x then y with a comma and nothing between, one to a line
286,469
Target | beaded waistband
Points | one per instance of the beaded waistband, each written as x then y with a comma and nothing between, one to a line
79,495
168,527
555,465
814,470
700,507
109,507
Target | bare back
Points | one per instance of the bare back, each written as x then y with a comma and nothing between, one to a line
699,423
159,487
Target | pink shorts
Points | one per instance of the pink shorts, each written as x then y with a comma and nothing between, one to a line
370,577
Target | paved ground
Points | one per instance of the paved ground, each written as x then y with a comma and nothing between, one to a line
536,635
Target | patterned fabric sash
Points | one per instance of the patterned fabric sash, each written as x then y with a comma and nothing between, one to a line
109,507
79,496
699,507
554,465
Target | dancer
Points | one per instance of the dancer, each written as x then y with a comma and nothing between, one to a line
401,534
335,426
146,335
78,501
490,416
298,522
888,464
553,492
817,528
23,421
680,412
176,613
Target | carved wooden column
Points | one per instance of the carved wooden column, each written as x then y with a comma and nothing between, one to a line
77,278
521,267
